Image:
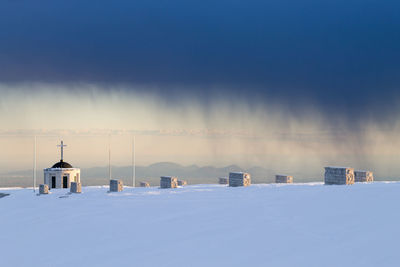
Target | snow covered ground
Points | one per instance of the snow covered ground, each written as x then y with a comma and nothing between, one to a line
203,225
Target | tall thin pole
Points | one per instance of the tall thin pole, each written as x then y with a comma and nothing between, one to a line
109,156
133,163
34,165
62,150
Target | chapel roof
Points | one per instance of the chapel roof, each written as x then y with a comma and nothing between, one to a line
62,164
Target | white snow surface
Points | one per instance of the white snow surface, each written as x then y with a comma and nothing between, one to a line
203,225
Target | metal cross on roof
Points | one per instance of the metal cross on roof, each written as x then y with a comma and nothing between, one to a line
62,149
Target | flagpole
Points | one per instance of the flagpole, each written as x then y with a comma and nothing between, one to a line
109,156
133,163
34,164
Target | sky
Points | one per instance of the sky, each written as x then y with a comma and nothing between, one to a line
281,84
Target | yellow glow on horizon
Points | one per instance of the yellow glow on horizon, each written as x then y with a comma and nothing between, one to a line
221,133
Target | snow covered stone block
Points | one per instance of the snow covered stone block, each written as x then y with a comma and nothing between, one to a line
363,176
144,184
116,185
239,179
76,187
168,182
43,189
339,175
182,182
283,179
223,180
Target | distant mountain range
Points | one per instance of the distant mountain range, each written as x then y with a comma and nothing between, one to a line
192,173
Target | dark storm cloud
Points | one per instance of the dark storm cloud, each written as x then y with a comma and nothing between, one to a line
341,55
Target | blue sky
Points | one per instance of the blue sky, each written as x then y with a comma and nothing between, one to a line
332,53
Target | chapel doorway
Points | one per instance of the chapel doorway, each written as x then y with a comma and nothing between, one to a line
65,182
53,182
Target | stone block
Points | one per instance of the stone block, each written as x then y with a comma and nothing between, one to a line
339,175
116,185
76,187
168,182
239,179
223,180
182,182
43,189
363,176
283,179
144,184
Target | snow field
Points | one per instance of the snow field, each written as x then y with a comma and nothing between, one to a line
203,225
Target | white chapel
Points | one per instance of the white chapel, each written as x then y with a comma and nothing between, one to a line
61,174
